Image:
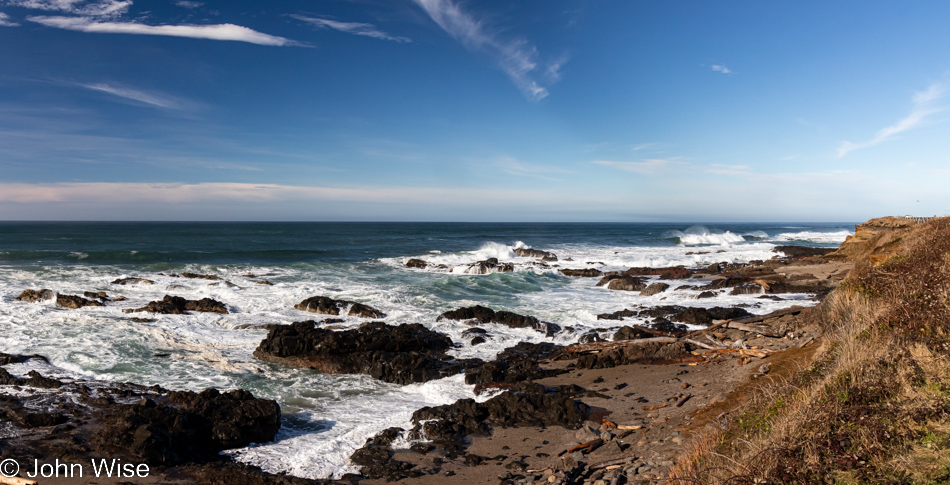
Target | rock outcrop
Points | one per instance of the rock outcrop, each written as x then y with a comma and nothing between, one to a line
519,363
490,265
328,306
509,319
33,296
74,301
416,263
875,240
400,354
176,305
535,253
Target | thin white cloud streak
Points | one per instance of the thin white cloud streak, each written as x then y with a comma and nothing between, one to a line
355,28
6,22
188,5
228,32
516,57
181,193
155,100
721,68
647,167
924,106
101,8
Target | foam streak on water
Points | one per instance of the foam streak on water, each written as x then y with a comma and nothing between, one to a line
327,417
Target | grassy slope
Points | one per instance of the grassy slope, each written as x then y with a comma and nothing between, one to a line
874,404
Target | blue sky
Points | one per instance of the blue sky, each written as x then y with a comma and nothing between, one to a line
541,110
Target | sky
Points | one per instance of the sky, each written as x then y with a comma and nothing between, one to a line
449,110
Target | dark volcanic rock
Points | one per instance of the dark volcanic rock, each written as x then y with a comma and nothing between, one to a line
399,354
802,251
516,364
375,458
585,273
188,427
74,301
627,332
18,359
328,306
693,315
525,404
132,281
416,263
33,379
640,353
654,289
33,296
176,305
617,315
535,253
509,319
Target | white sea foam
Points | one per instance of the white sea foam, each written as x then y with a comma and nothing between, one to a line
813,236
700,235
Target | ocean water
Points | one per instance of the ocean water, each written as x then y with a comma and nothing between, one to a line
327,417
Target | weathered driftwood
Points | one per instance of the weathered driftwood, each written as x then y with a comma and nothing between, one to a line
610,463
714,341
16,481
700,344
626,427
683,400
584,447
762,329
716,324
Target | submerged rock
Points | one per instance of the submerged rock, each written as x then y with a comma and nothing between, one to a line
33,296
399,354
176,305
535,253
328,306
132,281
490,265
584,273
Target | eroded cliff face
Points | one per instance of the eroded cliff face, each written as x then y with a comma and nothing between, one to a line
874,241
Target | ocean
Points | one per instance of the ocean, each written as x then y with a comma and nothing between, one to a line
326,417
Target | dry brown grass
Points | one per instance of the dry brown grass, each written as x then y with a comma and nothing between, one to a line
873,406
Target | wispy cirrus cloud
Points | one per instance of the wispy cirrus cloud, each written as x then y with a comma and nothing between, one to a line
721,68
156,100
355,28
647,167
516,57
925,105
6,22
229,32
96,8
188,4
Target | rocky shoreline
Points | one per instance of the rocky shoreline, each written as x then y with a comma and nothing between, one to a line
595,411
